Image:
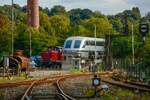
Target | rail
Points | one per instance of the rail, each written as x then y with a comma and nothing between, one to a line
28,92
67,97
127,85
56,80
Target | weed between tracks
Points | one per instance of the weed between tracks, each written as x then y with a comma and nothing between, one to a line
118,94
13,79
75,70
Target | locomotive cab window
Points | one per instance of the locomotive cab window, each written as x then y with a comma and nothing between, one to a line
99,43
77,43
92,43
68,44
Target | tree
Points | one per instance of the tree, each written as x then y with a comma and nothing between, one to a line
45,23
146,48
98,14
74,15
58,10
86,14
5,35
60,26
40,40
46,10
136,13
102,25
117,25
77,30
121,47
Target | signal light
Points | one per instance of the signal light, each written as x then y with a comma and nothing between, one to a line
144,29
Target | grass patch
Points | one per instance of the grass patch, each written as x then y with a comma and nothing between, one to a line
123,94
14,78
74,69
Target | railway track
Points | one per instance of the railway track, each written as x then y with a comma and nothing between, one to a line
61,95
41,81
28,82
129,85
138,83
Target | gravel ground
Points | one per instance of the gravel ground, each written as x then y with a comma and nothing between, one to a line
15,92
12,93
44,73
79,88
44,92
82,87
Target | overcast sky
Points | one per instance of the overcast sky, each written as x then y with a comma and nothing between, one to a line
105,6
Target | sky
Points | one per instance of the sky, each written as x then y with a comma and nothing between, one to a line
108,7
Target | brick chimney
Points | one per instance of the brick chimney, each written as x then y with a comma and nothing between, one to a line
33,13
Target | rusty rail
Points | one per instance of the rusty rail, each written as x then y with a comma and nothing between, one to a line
127,85
138,84
56,80
60,90
28,92
29,82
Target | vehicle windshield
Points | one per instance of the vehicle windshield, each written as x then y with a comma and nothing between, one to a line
68,44
100,43
77,43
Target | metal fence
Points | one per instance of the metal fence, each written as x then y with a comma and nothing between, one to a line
139,71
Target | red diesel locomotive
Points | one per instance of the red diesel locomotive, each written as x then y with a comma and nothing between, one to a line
52,58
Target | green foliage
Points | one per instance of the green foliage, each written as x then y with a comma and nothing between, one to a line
58,10
121,47
98,14
5,35
60,26
136,13
76,15
117,25
74,69
147,48
57,24
103,26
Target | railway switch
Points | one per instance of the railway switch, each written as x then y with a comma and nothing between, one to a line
105,87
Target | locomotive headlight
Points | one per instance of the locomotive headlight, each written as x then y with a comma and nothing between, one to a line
82,61
79,55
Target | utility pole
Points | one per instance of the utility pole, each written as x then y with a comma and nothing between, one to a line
30,39
12,26
95,41
132,46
